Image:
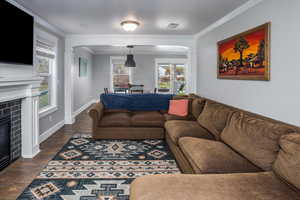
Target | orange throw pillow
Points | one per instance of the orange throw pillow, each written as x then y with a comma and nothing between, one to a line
179,107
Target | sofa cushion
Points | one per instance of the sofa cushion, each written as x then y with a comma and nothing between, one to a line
197,106
214,117
208,156
256,139
287,164
180,128
115,120
246,186
116,111
147,119
169,117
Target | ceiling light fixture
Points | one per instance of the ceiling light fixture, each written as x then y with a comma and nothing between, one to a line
130,58
173,26
129,26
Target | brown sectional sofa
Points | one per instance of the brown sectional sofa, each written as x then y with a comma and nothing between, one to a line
235,154
245,186
245,132
124,124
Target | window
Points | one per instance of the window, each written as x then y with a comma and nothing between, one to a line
46,67
120,75
171,76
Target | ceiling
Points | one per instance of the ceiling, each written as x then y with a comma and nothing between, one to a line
104,16
140,49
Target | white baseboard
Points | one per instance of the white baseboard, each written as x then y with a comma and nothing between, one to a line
85,106
36,151
44,136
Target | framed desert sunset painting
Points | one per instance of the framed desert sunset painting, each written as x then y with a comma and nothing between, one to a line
246,56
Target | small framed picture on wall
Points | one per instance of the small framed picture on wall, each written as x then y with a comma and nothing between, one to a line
83,66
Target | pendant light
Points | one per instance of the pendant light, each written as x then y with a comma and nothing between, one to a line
130,58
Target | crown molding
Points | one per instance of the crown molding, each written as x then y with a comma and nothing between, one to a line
141,36
89,50
124,40
228,17
141,53
38,19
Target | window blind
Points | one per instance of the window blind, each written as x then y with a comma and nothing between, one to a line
45,49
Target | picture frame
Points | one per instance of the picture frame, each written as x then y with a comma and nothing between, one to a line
245,56
83,65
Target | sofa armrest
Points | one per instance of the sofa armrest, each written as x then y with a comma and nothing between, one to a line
96,113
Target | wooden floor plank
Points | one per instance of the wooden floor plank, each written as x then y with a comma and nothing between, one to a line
15,178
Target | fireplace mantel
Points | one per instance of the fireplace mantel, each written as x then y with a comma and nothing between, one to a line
27,89
12,81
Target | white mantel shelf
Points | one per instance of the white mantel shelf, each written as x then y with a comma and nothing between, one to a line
27,89
18,87
11,81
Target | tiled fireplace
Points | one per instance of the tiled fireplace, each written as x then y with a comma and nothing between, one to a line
5,135
19,120
10,130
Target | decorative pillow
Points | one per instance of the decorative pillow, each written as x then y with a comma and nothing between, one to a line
181,97
179,107
287,165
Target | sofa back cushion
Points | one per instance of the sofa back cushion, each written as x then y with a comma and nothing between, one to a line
256,139
193,96
214,117
287,164
197,107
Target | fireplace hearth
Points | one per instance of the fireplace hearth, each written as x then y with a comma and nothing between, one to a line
5,133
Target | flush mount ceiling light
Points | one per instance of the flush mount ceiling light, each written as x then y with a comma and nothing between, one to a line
173,26
129,26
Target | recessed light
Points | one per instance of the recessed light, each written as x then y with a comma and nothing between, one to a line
129,26
173,25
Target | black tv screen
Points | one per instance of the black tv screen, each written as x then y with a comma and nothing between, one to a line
16,35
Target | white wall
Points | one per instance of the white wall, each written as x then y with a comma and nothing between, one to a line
144,73
278,98
82,85
101,74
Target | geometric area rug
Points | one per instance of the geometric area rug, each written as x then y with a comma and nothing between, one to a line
89,169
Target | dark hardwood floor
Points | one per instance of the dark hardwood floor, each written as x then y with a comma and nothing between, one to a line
15,178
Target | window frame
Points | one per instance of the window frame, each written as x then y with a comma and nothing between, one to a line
130,70
171,61
52,75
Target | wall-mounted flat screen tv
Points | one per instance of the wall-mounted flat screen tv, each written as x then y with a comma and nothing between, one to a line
16,35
